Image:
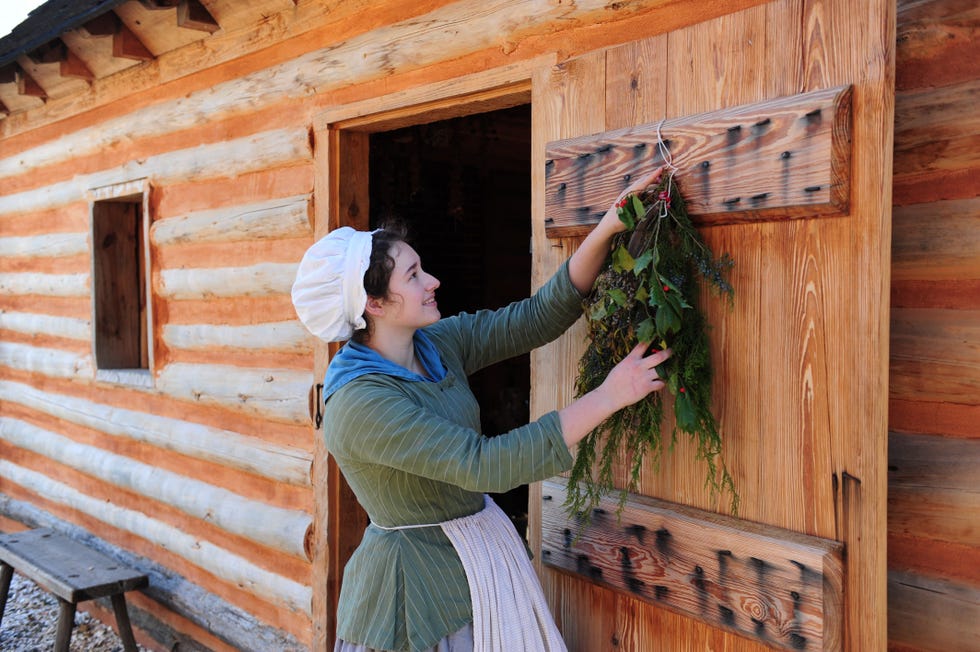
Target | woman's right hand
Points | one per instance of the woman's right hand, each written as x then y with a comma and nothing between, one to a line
629,381
635,376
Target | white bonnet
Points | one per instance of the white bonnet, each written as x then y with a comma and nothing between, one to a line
328,293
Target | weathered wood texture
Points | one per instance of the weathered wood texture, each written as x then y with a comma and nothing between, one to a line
219,131
803,458
74,573
772,160
934,390
775,586
212,440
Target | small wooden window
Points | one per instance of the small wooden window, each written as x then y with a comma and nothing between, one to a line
119,280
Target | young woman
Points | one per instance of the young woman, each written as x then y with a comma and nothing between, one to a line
440,566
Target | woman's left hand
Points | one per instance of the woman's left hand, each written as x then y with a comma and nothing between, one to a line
611,219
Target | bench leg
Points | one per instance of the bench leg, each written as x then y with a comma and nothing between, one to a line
122,622
6,574
66,621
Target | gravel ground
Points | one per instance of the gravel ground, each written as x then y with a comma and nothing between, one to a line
30,623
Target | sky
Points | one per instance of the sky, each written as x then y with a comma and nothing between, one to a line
13,13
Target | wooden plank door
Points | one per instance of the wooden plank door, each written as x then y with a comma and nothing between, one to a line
801,358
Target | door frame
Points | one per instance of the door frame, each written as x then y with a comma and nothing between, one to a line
341,198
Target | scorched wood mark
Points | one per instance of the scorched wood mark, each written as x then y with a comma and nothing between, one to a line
736,158
771,585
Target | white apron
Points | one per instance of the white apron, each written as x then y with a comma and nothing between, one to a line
509,609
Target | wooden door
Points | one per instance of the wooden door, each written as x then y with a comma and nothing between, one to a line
801,359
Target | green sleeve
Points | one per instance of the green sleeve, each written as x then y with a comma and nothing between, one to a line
374,423
488,336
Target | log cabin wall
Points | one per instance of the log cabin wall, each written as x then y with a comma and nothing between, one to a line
934,397
200,468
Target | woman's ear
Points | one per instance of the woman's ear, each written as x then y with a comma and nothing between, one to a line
374,307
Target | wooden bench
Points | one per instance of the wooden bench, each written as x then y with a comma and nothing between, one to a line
71,571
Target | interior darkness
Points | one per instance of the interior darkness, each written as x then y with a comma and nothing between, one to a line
463,187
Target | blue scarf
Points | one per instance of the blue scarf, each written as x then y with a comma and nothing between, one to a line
355,360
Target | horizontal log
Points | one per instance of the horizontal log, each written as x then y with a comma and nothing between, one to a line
280,463
288,217
936,513
932,614
936,240
778,159
283,336
928,461
71,217
934,558
937,134
958,294
51,285
913,414
34,324
281,529
935,355
49,362
46,245
230,623
263,279
277,394
229,158
937,43
179,199
217,561
775,586
934,488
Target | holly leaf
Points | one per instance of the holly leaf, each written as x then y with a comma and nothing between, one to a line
599,311
622,261
668,321
626,217
618,297
684,412
642,261
638,208
674,293
646,331
657,296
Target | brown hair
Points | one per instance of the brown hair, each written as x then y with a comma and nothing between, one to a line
380,267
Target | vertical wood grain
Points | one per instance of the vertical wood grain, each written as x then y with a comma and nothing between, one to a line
341,190
636,93
856,44
796,372
702,76
567,100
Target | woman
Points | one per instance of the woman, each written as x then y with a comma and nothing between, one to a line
440,566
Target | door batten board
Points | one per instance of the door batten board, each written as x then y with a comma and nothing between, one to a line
769,584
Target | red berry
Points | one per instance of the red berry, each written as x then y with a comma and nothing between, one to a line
682,390
666,288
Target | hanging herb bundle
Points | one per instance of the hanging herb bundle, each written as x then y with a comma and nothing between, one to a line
647,293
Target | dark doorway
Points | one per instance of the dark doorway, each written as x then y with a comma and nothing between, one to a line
463,187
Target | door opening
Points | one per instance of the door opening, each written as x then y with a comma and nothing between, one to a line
463,187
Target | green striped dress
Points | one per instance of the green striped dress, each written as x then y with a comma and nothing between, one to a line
413,454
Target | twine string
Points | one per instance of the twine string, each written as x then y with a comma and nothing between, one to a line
668,158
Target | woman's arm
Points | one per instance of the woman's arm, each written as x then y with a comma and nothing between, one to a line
586,262
636,375
629,381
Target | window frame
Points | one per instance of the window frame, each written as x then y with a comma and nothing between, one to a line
135,191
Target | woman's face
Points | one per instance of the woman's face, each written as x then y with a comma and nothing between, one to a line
412,302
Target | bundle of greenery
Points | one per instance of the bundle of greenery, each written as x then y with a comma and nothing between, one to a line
648,292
